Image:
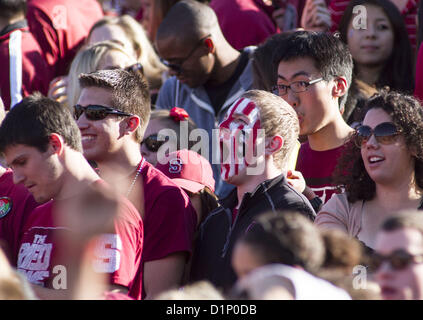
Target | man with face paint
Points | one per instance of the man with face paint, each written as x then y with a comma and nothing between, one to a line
257,137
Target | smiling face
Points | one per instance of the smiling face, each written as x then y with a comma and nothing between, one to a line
239,139
407,283
316,107
373,45
100,138
37,171
385,163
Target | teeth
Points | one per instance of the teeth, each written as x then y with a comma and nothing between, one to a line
85,138
375,159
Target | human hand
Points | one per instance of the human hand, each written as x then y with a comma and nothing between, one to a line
316,16
296,180
58,89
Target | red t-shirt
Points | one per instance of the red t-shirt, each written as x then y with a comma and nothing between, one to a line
317,168
42,253
60,27
16,203
409,13
170,219
26,69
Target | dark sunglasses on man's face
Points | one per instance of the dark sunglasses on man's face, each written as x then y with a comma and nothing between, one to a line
152,143
398,260
385,133
96,112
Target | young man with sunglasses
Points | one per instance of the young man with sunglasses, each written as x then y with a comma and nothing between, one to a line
112,114
397,262
208,74
314,75
42,145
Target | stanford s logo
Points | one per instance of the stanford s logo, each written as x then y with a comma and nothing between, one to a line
175,166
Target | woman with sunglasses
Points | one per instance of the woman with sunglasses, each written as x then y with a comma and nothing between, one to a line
165,119
381,169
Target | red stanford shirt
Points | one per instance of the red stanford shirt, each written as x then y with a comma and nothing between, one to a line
16,204
24,69
60,27
42,255
170,219
317,168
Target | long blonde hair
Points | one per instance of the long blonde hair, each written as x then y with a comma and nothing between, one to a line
142,46
86,61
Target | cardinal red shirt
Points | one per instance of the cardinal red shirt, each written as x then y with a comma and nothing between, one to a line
42,254
317,168
60,27
16,203
24,69
170,219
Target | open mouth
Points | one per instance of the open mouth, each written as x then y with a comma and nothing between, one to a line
375,159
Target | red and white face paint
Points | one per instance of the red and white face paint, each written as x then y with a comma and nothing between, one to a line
238,137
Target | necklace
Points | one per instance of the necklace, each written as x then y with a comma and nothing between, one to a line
139,169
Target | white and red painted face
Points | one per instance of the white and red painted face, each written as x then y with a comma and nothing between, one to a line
238,137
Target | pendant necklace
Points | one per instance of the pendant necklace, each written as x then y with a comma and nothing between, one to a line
139,169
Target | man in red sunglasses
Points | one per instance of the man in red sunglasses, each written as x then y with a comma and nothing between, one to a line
398,257
112,115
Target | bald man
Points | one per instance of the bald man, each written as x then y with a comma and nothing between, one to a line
208,75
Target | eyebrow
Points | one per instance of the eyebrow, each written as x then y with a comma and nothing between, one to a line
299,73
17,159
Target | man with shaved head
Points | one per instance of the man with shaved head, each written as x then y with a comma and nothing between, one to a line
208,75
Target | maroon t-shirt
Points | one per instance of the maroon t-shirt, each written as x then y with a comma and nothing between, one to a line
42,253
60,27
170,219
29,70
317,168
16,203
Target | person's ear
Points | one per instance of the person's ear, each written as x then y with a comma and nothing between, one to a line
131,124
274,144
340,88
56,143
210,45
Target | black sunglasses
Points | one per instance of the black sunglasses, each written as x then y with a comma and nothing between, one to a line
152,143
398,260
385,133
178,67
96,112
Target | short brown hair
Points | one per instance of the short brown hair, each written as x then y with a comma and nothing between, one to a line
277,117
405,219
130,93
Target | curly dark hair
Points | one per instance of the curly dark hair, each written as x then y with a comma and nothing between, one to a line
407,114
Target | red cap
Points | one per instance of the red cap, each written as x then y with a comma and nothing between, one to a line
189,170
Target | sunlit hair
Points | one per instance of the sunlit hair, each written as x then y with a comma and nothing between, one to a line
142,46
407,115
86,61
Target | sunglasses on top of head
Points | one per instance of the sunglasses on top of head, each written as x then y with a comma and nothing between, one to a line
385,133
398,260
96,112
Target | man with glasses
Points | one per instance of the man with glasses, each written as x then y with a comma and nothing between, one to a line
314,75
208,74
397,262
112,114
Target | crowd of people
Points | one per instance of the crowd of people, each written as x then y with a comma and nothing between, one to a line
222,149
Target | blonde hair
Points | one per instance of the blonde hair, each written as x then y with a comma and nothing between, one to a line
146,55
277,117
86,61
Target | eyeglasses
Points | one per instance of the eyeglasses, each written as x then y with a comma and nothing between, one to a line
398,260
152,143
385,133
96,112
296,86
177,67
